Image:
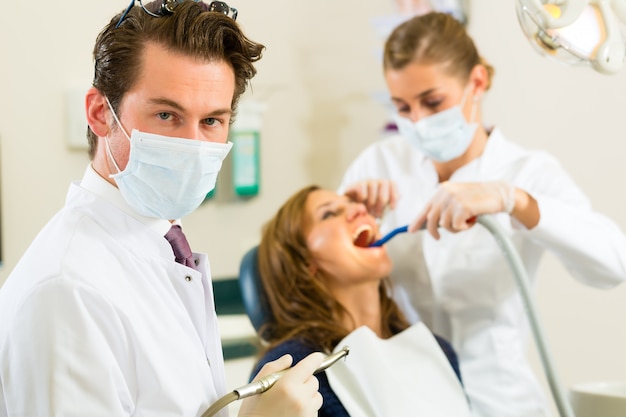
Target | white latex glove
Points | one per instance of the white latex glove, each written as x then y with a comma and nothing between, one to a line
455,205
377,195
295,394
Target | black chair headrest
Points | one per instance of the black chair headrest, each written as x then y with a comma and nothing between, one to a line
254,299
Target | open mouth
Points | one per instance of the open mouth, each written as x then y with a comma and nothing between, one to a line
363,236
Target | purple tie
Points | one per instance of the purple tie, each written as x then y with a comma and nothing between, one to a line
182,251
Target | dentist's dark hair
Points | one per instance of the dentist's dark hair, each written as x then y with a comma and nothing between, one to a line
191,30
300,303
434,38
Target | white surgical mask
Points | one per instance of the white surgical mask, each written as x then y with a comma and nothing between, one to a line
442,136
167,177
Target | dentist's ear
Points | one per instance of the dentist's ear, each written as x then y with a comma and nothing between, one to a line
97,111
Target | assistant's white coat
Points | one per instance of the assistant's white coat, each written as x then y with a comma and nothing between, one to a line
462,286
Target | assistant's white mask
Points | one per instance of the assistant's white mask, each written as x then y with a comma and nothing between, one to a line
167,177
443,136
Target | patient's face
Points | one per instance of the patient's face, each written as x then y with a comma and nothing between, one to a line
338,232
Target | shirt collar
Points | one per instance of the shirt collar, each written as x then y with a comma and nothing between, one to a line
94,183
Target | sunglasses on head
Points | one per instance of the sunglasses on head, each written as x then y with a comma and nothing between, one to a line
167,8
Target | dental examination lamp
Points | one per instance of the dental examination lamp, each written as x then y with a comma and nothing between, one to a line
577,32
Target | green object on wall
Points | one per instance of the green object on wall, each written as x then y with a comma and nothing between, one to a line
246,170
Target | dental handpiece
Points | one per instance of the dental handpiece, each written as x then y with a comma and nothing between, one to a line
268,381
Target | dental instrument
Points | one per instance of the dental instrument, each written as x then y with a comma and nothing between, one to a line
384,239
267,382
404,229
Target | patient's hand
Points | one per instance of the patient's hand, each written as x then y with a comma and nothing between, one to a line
295,394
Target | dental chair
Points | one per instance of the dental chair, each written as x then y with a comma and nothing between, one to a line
258,310
252,293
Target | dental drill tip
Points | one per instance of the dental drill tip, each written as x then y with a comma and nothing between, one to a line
332,359
268,381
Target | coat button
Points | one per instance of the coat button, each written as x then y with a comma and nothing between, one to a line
188,278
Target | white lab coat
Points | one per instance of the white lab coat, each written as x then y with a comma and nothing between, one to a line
462,287
98,319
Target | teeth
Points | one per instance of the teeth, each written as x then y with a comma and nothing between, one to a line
361,229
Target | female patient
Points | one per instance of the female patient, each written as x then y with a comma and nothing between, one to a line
326,288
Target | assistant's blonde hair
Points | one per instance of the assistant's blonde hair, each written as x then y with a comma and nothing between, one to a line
434,38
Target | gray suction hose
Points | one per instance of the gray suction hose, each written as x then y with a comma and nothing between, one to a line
519,272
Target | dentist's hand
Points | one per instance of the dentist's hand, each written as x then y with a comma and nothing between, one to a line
455,205
377,195
295,394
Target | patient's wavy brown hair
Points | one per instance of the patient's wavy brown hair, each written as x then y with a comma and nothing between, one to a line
300,303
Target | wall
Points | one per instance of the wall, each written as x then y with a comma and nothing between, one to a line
318,78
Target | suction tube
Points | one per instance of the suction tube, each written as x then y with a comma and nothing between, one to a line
521,278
